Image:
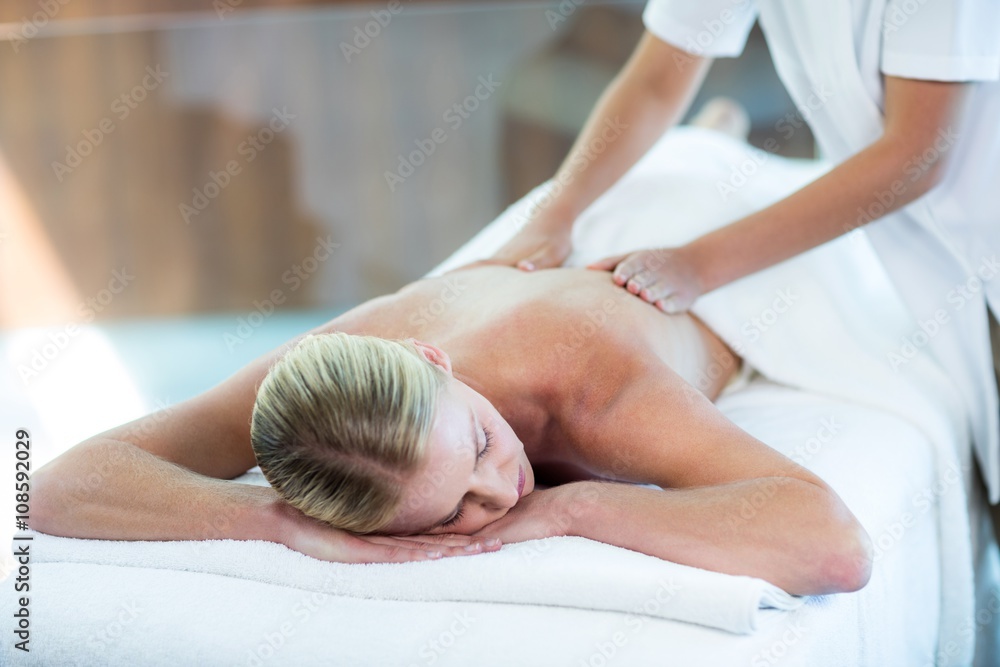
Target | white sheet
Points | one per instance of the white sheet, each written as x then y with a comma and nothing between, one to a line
891,446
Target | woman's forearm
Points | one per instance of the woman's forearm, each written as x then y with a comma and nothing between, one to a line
106,489
792,533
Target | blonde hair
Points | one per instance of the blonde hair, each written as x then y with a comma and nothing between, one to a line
341,422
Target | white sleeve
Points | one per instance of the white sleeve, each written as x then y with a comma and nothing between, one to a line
942,40
711,28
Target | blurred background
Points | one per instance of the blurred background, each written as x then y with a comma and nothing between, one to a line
185,185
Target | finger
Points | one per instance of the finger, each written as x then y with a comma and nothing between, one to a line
656,291
532,262
363,551
446,539
607,264
628,269
673,305
423,542
638,282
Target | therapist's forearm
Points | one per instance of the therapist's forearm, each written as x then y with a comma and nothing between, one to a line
790,532
883,178
651,94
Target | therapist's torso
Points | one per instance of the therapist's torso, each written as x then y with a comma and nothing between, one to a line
832,57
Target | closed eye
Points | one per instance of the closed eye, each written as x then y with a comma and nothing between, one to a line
488,434
489,442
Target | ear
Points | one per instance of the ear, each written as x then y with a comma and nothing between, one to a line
433,354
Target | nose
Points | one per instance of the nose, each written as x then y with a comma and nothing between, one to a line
497,488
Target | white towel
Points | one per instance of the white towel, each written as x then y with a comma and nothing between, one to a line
556,572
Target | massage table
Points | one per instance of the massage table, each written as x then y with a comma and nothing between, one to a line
891,442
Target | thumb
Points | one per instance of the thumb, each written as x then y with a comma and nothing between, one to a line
607,264
539,259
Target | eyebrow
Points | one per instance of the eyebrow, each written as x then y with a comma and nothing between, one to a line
475,458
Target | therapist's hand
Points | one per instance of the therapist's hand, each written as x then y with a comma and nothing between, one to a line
543,243
665,277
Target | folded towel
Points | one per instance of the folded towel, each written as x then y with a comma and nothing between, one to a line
556,572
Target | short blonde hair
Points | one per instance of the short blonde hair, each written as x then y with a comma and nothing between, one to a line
341,422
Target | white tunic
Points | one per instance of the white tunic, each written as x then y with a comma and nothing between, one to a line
942,251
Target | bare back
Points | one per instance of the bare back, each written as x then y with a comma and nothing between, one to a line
560,353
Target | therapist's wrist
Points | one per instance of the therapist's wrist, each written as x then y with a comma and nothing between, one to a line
697,259
556,216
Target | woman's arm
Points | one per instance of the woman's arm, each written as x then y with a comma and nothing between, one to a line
164,477
652,92
730,503
921,125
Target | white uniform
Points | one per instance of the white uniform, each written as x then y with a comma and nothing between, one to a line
942,250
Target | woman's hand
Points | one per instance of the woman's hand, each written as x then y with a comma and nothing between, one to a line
542,513
668,278
314,538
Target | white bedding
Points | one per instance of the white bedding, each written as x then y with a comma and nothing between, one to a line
884,446
86,614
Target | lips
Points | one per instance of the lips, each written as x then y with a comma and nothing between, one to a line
520,481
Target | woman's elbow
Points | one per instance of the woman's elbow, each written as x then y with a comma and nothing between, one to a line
847,565
44,513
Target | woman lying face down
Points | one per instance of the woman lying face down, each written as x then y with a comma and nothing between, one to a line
373,435
375,432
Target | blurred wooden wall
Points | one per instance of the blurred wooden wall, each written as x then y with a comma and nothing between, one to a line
120,207
324,178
